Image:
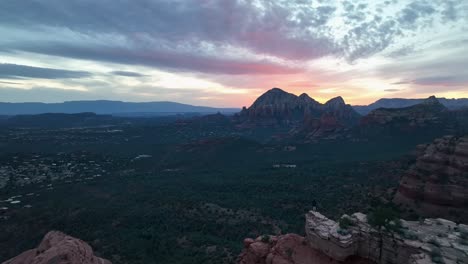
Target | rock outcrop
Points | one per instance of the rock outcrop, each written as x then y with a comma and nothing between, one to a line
285,249
58,248
277,107
412,242
436,184
327,241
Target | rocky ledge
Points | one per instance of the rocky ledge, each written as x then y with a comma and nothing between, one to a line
428,241
59,248
327,241
285,249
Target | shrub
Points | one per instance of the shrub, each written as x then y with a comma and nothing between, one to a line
345,222
436,256
381,217
410,235
384,217
342,232
265,239
464,234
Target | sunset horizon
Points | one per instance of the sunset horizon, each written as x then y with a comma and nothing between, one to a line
321,100
234,131
227,53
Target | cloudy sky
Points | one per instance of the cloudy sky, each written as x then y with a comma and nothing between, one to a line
227,52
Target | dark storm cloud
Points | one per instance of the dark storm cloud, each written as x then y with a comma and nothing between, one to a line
162,23
162,59
128,74
14,71
192,34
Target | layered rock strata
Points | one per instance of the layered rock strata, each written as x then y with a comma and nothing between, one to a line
413,242
436,185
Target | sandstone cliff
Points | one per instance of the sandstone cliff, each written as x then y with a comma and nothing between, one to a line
326,241
412,242
286,249
58,248
436,185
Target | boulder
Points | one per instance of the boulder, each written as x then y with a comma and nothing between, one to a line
58,248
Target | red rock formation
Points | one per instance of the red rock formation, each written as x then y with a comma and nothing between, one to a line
58,248
435,186
285,249
410,242
277,107
328,242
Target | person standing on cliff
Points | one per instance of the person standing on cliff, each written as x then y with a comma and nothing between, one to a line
314,205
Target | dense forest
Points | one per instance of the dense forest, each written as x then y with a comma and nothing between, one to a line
183,192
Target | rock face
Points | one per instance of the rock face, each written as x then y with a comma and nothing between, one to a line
436,184
412,242
277,107
58,248
432,241
285,249
277,104
357,240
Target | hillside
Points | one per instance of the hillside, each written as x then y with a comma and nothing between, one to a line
108,107
450,103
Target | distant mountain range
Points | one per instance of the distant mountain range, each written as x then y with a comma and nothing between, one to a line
105,107
303,117
428,110
274,96
276,114
451,104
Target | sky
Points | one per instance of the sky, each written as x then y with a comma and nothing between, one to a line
225,53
